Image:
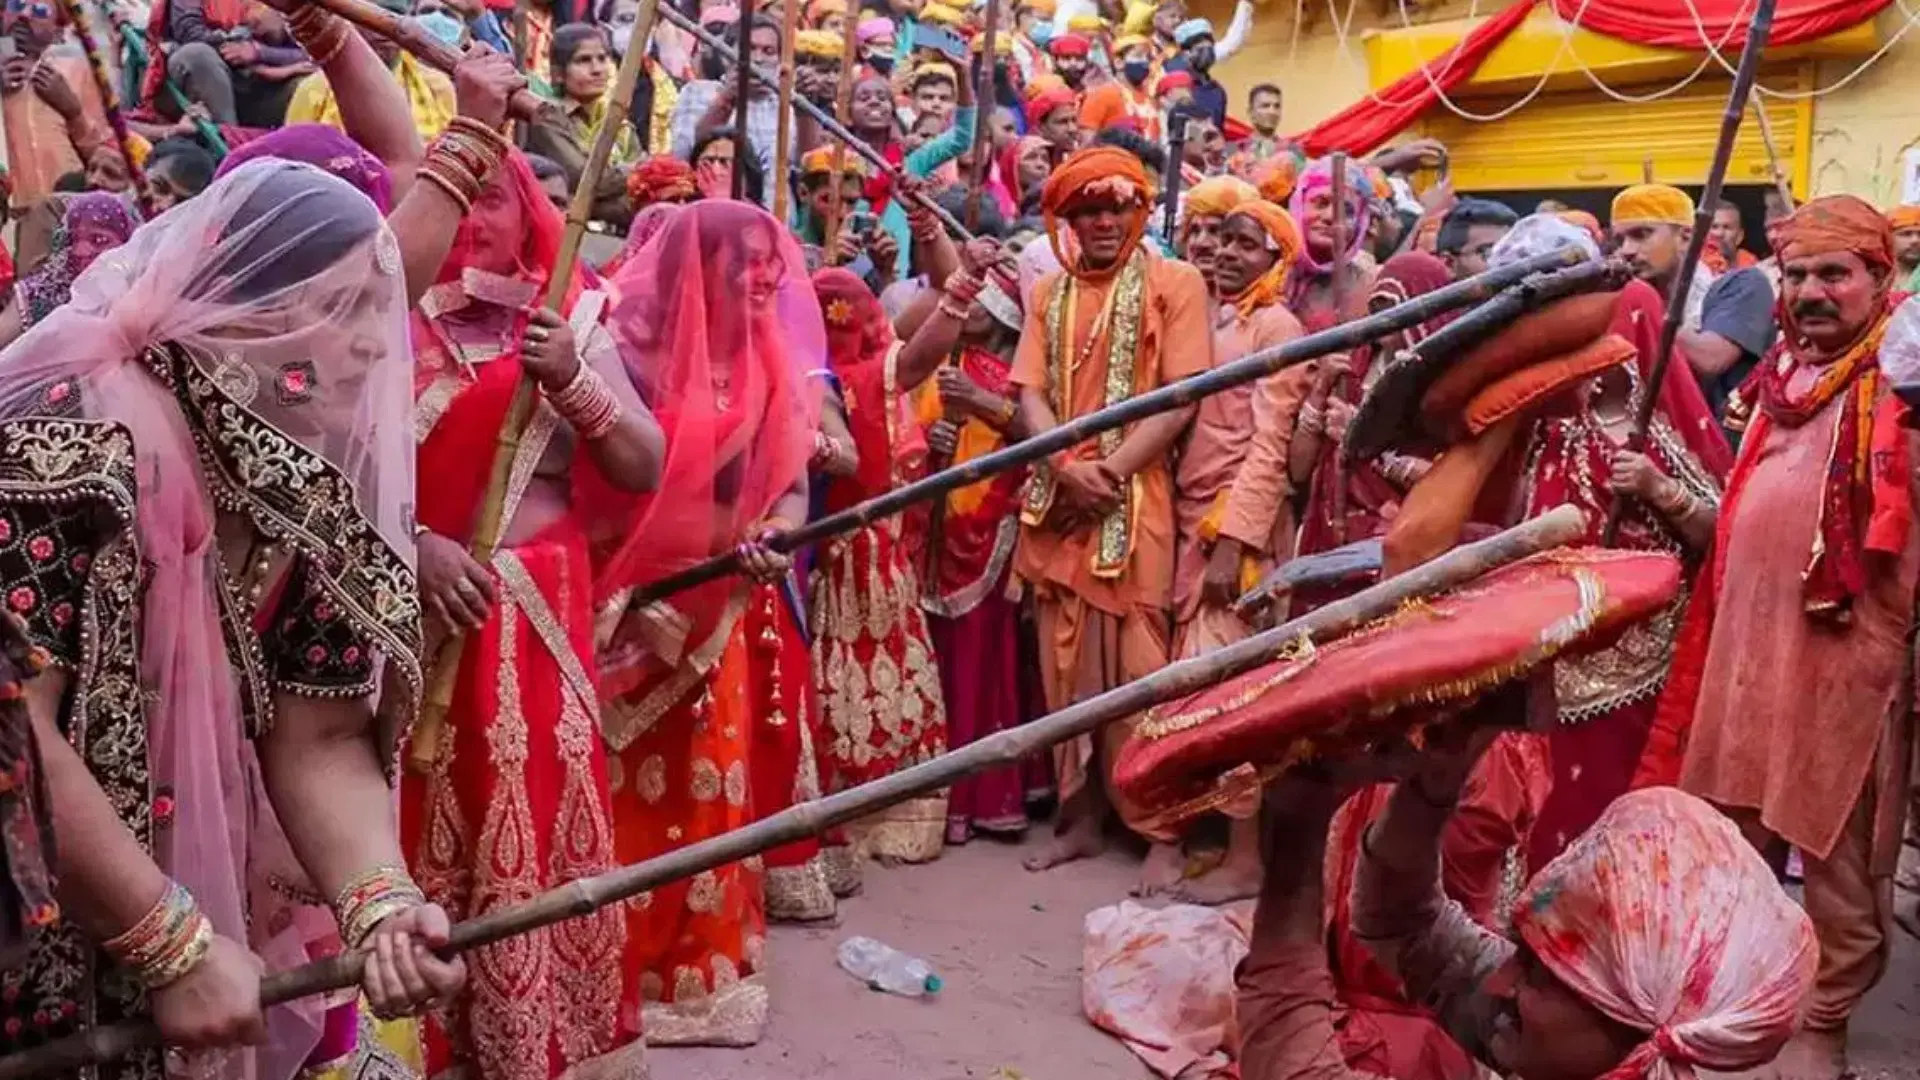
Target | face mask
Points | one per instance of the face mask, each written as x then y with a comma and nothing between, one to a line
622,37
1201,58
1136,71
1041,34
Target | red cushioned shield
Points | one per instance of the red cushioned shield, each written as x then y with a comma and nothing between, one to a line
1387,678
1555,330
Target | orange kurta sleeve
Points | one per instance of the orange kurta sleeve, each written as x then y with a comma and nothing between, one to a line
1262,485
1186,336
1103,105
1030,359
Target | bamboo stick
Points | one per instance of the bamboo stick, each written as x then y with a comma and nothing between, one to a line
1756,45
1387,412
1167,398
1463,564
1646,170
742,93
820,116
782,178
984,104
1780,182
408,34
836,198
82,21
424,747
1336,386
1177,124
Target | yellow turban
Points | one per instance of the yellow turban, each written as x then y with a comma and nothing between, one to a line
1042,8
1087,24
817,11
1218,196
1002,44
1656,204
942,15
1139,19
1904,217
1130,41
933,69
821,44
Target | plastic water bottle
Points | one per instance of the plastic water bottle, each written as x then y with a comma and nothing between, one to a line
883,967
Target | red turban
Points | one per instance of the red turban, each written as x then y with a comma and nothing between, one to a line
661,180
1070,45
1174,80
1834,223
1039,105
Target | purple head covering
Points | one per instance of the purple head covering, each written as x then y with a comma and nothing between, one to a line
324,148
52,284
1317,178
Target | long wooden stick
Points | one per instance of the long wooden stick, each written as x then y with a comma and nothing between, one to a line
984,105
1780,182
820,116
1337,386
82,21
742,93
1457,567
782,178
1756,45
424,746
836,195
1167,398
410,36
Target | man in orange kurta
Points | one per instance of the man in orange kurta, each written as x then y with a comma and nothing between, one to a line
1789,703
1097,536
1257,243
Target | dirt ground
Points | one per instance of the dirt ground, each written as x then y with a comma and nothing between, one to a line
1007,942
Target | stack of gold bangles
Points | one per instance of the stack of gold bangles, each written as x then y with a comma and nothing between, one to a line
319,31
369,899
463,158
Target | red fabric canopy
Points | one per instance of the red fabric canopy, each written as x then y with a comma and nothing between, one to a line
1370,122
1671,23
1366,124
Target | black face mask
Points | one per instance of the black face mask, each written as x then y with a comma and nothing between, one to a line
1137,71
882,63
713,67
1201,57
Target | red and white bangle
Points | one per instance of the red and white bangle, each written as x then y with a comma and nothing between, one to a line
587,404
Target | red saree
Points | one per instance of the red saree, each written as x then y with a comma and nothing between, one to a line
514,802
1607,698
974,626
705,692
873,660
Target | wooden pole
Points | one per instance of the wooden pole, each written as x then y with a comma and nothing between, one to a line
1170,180
1646,170
1757,32
985,88
408,34
1780,182
1336,386
82,21
842,113
424,746
782,178
819,116
1458,567
1177,395
521,32
742,91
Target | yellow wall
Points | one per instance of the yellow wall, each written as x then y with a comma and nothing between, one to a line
1859,130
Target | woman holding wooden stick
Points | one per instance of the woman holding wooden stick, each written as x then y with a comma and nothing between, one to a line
516,801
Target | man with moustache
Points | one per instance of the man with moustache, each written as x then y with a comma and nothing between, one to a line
1206,205
1097,539
1788,705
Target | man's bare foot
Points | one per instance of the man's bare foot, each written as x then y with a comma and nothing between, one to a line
1165,866
1813,1055
1080,841
1231,880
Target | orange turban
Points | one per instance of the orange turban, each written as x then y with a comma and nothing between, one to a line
1103,176
1657,204
1284,238
1276,176
1904,217
817,11
1216,196
1834,223
1585,221
819,162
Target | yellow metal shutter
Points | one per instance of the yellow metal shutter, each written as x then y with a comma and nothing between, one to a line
1585,139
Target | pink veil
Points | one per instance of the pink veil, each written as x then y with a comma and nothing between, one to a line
282,286
717,323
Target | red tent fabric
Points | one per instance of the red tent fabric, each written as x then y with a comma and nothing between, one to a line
1366,124
1668,23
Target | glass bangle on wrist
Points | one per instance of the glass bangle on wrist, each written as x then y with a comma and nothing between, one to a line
169,940
369,899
